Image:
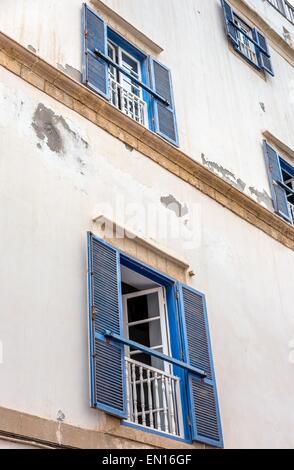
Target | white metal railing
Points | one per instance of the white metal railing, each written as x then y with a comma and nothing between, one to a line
291,211
153,398
284,7
128,102
247,47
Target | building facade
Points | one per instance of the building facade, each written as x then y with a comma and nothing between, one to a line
147,224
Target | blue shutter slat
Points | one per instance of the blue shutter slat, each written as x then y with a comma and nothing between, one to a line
95,70
230,28
280,201
108,388
202,393
164,116
263,53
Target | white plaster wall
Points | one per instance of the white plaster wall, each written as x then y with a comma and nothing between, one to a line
47,201
218,96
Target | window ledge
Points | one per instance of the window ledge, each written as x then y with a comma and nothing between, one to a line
47,78
112,228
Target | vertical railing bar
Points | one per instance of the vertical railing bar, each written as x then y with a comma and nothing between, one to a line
158,418
142,393
171,390
150,401
135,394
164,404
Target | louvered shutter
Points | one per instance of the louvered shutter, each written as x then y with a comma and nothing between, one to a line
229,23
108,382
263,53
95,70
206,423
164,116
280,201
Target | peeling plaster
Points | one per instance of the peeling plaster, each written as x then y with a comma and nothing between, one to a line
48,127
129,147
262,197
71,71
31,48
224,173
172,204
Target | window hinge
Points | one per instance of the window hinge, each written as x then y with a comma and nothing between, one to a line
183,356
177,294
93,313
189,421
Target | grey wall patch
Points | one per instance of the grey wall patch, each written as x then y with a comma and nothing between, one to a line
31,48
173,205
262,197
262,105
48,128
71,71
224,173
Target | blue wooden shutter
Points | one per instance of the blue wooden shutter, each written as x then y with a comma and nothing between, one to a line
164,116
95,70
206,423
280,201
263,52
229,22
107,367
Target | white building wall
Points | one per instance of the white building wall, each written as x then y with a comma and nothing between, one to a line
48,197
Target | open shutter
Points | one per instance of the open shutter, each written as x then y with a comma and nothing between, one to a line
95,70
164,116
280,201
206,423
229,22
263,53
108,382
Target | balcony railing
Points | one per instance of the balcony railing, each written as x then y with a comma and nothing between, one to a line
153,398
247,47
284,7
129,103
291,211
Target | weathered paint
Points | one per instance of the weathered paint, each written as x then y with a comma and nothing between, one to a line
55,178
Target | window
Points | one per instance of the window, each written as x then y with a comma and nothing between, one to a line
247,41
281,177
150,355
126,94
133,82
285,8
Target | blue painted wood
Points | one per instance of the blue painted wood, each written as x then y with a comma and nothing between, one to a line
229,24
263,52
133,344
135,80
165,122
95,70
280,201
108,381
204,407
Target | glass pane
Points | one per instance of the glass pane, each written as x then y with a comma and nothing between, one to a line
130,65
147,333
143,307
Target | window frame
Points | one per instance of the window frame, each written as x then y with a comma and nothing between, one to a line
135,53
176,346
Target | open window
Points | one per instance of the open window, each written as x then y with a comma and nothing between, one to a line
281,179
130,80
246,40
150,355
